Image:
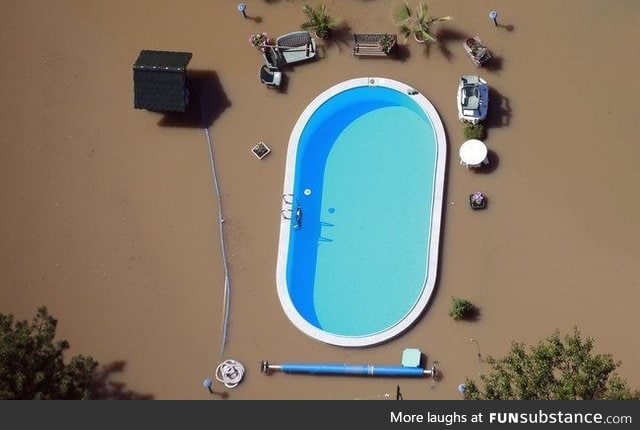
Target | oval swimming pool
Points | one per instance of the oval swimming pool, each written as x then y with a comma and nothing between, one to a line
362,202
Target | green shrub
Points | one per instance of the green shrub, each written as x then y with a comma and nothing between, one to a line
460,309
473,131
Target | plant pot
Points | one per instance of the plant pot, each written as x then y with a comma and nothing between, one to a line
387,47
260,150
474,204
323,34
417,38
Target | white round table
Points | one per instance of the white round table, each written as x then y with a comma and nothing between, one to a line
473,153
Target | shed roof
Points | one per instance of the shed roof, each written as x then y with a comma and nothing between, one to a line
159,79
162,60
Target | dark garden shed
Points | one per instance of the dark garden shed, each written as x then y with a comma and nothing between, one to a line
160,81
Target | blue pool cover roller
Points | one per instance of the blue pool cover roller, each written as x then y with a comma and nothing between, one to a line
348,369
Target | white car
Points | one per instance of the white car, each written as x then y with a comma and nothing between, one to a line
473,99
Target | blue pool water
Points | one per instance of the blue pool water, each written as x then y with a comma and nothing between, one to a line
365,169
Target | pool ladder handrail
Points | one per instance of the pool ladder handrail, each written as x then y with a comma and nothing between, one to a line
288,210
288,204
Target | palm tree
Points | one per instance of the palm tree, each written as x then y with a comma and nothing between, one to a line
419,25
318,20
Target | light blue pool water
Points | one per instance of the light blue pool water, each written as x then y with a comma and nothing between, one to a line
357,260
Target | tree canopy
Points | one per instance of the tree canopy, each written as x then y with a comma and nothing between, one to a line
557,368
32,362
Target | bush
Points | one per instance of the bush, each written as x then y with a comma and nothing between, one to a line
473,131
32,364
461,309
563,367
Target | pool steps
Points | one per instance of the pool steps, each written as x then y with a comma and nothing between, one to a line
287,211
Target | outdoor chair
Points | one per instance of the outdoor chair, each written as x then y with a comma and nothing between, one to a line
296,46
271,58
270,77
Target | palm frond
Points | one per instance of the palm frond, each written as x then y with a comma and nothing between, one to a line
405,30
307,26
317,18
444,18
308,10
403,12
427,36
422,12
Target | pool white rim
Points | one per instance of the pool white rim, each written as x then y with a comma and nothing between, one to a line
283,245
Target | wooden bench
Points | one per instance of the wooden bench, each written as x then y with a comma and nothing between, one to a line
365,44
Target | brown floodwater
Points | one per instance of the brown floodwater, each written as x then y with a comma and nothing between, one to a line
109,216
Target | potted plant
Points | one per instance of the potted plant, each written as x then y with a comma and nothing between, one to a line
318,21
477,200
417,24
461,309
473,131
259,40
477,49
260,150
387,43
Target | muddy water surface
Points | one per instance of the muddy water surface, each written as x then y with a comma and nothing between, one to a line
109,217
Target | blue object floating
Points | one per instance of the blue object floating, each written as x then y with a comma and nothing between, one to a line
349,369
